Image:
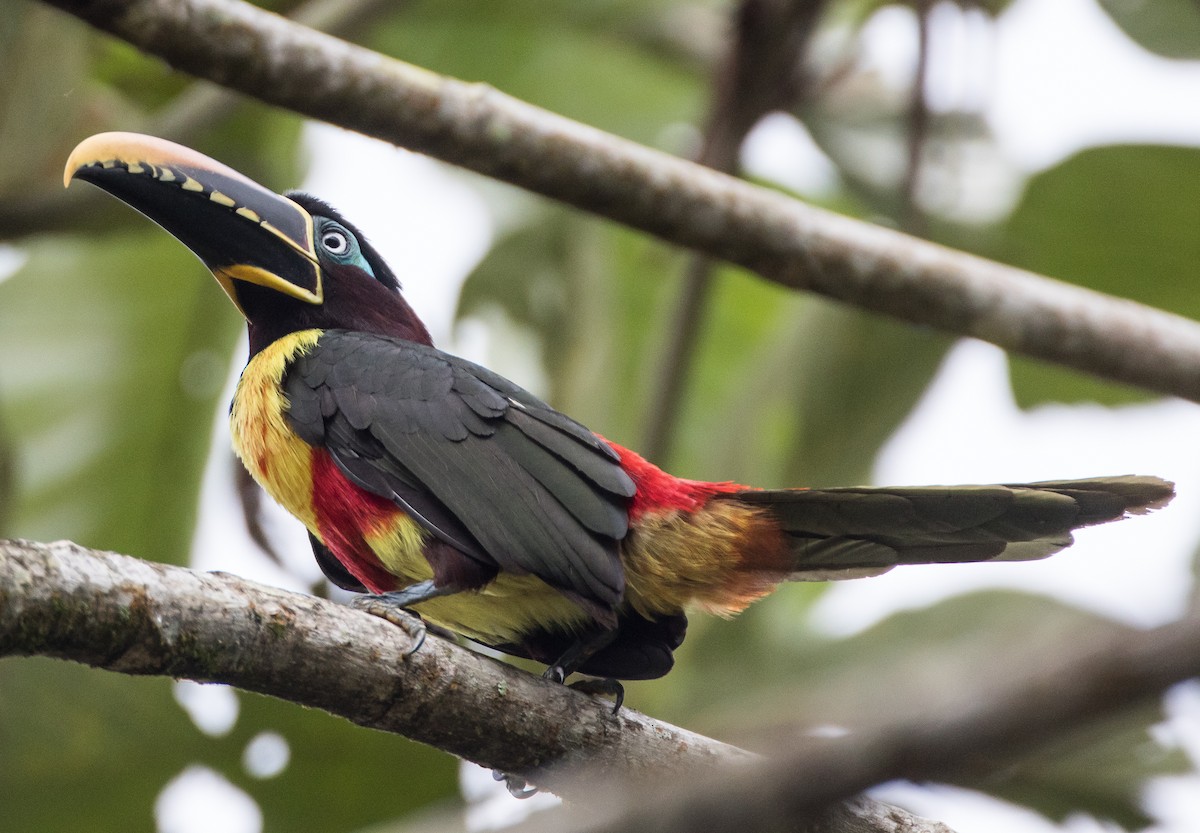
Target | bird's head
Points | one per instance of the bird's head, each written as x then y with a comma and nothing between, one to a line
289,261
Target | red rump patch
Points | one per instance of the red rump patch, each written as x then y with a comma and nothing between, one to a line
658,491
344,512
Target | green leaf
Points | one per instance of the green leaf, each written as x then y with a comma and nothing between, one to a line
1120,220
818,398
594,297
1170,28
1099,770
745,318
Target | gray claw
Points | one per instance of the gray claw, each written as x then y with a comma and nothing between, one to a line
410,623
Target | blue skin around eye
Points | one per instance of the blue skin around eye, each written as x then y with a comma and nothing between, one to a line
353,256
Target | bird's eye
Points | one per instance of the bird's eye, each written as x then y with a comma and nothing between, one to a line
339,246
335,242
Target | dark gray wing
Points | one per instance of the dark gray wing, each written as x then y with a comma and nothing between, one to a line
481,463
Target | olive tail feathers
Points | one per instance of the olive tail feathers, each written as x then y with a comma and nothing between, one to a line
850,532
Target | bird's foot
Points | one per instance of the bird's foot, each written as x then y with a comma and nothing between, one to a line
604,686
393,606
555,674
387,608
517,786
520,788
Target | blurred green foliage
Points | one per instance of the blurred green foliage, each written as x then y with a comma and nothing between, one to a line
1170,28
1120,220
114,346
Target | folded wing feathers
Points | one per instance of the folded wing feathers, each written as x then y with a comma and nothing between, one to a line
519,523
525,401
598,469
480,462
599,511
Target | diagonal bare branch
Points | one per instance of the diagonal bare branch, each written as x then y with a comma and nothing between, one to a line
472,125
137,617
140,617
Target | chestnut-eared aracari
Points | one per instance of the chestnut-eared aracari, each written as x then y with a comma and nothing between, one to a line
437,485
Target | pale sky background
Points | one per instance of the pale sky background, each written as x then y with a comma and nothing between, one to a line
1057,77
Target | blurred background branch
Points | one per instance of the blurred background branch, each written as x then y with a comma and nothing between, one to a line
282,63
194,110
954,737
763,71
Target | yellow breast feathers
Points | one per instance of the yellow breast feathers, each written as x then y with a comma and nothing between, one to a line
279,460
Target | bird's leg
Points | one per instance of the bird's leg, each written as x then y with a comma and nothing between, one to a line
580,651
393,606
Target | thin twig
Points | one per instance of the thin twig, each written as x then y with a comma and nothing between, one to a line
782,239
674,368
760,73
912,217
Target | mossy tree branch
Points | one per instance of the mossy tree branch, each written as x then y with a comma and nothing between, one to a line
137,617
630,771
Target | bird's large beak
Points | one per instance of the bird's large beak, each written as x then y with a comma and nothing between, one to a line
241,230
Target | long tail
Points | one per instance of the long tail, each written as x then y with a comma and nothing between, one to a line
851,532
